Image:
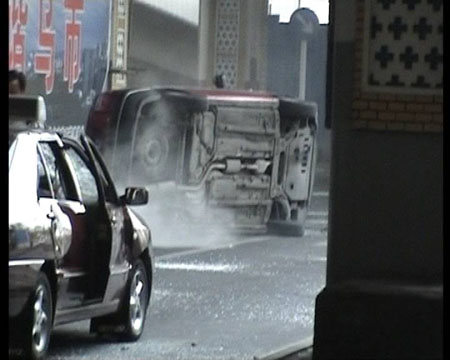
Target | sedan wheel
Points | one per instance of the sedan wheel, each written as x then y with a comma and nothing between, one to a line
138,300
128,322
41,323
136,309
35,335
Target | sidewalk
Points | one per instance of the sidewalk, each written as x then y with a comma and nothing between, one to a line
305,354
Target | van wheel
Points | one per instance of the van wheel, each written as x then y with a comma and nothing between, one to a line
34,335
155,153
286,228
281,223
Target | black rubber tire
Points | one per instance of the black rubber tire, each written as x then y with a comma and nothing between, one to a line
122,323
132,331
33,335
159,135
280,224
155,154
286,228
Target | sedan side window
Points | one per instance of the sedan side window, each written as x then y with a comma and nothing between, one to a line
108,187
86,180
44,189
59,173
54,171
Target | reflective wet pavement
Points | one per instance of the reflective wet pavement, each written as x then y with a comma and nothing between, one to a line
244,299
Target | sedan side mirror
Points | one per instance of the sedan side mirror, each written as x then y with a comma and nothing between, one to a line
135,196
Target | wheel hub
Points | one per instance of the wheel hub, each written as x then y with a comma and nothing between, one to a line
137,301
41,324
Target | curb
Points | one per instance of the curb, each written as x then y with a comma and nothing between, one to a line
287,350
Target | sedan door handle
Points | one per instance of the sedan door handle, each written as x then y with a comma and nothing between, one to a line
113,219
51,215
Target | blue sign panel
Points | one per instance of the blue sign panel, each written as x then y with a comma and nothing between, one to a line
62,46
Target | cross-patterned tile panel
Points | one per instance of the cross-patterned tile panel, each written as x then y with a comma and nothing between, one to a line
403,46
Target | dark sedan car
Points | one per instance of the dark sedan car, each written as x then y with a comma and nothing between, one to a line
76,250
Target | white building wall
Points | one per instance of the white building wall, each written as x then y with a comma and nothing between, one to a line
187,10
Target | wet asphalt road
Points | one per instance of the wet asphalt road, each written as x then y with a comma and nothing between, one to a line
244,298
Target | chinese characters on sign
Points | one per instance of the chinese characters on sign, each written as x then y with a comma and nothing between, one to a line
44,56
118,59
18,18
72,43
64,48
44,60
120,49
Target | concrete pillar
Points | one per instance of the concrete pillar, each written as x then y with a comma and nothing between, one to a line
206,42
383,297
252,66
233,42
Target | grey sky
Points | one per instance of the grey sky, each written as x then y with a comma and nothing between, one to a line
188,9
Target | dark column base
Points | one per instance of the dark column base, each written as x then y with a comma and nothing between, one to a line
379,321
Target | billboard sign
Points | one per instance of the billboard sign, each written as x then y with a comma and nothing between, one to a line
62,46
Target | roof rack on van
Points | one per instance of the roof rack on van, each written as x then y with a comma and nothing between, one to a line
27,111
